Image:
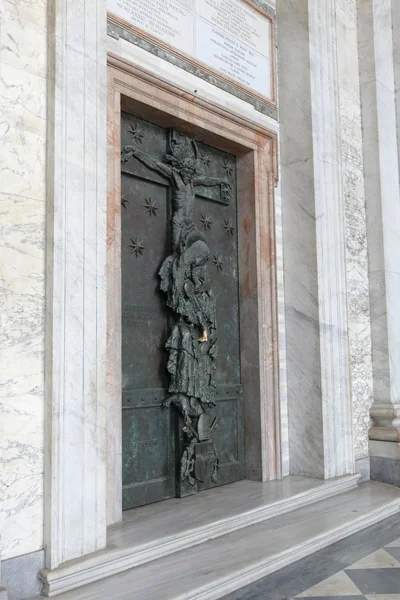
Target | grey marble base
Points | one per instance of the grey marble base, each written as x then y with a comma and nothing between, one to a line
4,594
376,581
19,576
333,598
385,470
300,576
363,468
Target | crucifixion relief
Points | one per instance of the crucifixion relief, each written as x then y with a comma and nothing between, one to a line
192,343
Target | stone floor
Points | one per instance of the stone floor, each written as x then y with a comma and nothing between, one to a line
363,566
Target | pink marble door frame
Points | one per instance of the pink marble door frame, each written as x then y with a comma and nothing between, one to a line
132,89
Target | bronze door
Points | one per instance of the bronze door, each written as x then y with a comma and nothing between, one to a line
182,413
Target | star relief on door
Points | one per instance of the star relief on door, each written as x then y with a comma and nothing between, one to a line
205,159
136,133
217,262
150,207
205,221
228,226
228,168
137,247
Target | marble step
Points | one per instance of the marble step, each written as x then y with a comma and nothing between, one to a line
210,570
154,531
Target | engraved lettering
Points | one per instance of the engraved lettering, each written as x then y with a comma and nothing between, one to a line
135,315
224,431
227,35
140,445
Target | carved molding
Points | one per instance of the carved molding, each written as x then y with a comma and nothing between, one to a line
131,88
125,66
75,455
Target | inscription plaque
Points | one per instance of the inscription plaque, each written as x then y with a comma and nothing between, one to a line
230,37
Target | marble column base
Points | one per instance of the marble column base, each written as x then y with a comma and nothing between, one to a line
386,419
19,576
385,462
363,469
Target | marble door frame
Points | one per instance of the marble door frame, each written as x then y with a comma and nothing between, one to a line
134,89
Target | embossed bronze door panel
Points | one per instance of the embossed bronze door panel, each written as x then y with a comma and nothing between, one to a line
151,451
147,436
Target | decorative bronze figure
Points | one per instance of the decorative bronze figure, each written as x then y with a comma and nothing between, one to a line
192,344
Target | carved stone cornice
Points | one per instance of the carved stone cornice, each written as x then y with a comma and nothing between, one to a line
215,110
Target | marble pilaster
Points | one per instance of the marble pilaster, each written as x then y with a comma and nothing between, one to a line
75,474
320,417
330,238
359,325
299,242
377,50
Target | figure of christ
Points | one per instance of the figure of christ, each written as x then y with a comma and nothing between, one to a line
184,178
192,344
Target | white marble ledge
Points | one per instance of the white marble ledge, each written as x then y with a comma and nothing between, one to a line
232,561
154,531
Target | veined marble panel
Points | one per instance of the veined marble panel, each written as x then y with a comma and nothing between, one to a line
355,223
282,334
22,246
299,245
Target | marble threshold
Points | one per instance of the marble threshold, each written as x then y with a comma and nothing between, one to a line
211,570
157,530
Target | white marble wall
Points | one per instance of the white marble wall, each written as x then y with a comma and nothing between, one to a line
355,223
22,241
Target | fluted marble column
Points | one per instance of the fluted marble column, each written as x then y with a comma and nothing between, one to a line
378,25
320,419
75,444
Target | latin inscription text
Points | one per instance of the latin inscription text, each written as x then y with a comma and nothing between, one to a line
227,35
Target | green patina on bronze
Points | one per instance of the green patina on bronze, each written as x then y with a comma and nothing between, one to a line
192,344
182,400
